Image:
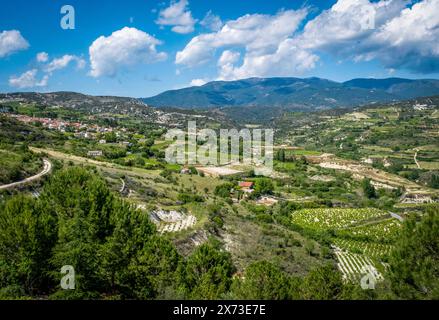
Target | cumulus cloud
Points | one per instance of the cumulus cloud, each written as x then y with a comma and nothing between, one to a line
28,80
256,33
42,57
198,82
226,63
63,62
344,27
262,37
211,22
123,48
11,42
179,16
287,60
396,33
411,40
400,37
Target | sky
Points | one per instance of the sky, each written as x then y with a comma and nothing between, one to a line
139,48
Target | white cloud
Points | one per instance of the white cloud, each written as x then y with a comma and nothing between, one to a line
286,61
11,42
28,80
198,82
401,37
123,48
226,63
63,62
211,22
347,24
256,33
178,16
264,40
410,40
42,57
396,33
228,57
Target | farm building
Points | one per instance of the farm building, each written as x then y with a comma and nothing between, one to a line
246,186
96,153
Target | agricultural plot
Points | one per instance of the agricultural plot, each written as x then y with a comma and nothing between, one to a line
381,231
371,249
362,237
218,171
186,223
355,266
172,221
329,218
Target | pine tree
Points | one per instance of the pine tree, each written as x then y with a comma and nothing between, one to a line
414,263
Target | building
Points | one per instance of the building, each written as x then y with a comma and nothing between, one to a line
267,201
185,171
96,153
246,186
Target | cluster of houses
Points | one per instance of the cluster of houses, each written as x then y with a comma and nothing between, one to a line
49,123
81,130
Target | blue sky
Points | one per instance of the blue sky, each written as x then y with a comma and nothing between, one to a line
141,47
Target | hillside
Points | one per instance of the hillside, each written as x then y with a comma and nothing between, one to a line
78,101
400,137
17,162
294,93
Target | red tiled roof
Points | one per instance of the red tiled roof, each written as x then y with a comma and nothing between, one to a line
246,184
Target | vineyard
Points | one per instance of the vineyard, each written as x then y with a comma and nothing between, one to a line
185,223
354,266
329,218
383,231
374,250
361,237
172,221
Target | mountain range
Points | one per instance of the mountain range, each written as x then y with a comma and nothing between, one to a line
307,94
251,99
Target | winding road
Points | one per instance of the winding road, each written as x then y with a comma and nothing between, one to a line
47,168
122,189
415,158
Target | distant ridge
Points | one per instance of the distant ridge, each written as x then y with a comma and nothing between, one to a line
294,93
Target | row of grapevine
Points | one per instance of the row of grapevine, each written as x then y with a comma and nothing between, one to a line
379,231
355,266
370,249
334,218
362,236
186,223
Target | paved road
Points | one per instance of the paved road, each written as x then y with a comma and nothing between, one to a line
47,168
397,216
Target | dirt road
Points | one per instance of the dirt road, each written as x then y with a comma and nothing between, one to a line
47,168
415,158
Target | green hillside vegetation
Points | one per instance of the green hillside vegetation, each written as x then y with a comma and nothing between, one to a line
137,227
117,253
388,136
16,160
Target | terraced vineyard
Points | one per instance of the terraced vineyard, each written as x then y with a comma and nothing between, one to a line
383,231
362,237
172,221
185,223
329,218
371,249
355,266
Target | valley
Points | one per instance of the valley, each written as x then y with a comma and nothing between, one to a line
344,181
